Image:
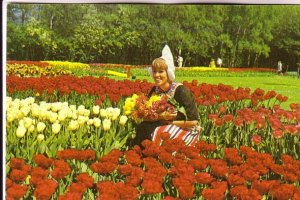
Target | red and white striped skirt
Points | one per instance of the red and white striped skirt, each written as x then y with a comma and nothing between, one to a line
190,137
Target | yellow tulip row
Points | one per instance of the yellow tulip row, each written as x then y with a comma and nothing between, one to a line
65,65
202,68
116,73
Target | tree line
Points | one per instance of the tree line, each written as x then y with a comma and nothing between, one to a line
242,35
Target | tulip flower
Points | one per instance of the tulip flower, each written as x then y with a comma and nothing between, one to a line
106,124
74,115
96,110
97,122
56,128
86,112
30,100
43,104
17,101
27,122
65,104
130,104
48,106
40,137
81,110
116,113
103,113
40,126
43,113
277,134
69,113
35,110
62,115
90,122
52,117
110,112
30,129
73,125
54,107
21,122
82,119
21,130
256,139
127,112
8,100
23,103
73,107
20,115
10,117
123,120
25,110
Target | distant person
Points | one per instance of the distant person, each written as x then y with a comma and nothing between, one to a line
219,62
179,61
279,67
212,64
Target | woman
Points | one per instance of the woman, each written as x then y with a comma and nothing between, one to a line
177,124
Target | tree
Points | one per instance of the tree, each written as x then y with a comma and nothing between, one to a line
249,28
286,43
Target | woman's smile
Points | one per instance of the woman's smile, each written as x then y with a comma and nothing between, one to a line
157,80
161,79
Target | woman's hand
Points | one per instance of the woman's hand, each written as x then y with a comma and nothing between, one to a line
167,116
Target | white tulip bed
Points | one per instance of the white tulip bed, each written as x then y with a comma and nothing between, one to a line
49,127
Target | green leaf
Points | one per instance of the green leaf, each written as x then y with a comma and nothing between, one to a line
182,110
42,148
179,108
84,167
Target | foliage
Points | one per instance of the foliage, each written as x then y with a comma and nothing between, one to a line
242,35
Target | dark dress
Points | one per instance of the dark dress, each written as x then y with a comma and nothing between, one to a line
183,96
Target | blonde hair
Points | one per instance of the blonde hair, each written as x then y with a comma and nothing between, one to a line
159,63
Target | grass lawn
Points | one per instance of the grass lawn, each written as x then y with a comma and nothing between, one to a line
286,85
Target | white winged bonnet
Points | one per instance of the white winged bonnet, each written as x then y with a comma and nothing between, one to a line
168,57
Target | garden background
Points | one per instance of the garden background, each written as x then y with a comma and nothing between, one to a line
72,69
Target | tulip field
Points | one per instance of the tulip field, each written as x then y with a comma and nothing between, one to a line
68,137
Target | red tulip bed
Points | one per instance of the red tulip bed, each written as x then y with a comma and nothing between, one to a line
249,148
111,65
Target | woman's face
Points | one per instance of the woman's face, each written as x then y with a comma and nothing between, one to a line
160,77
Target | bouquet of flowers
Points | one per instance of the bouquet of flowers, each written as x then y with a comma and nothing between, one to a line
140,107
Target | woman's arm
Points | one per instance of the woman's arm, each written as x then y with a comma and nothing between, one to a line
185,124
186,99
